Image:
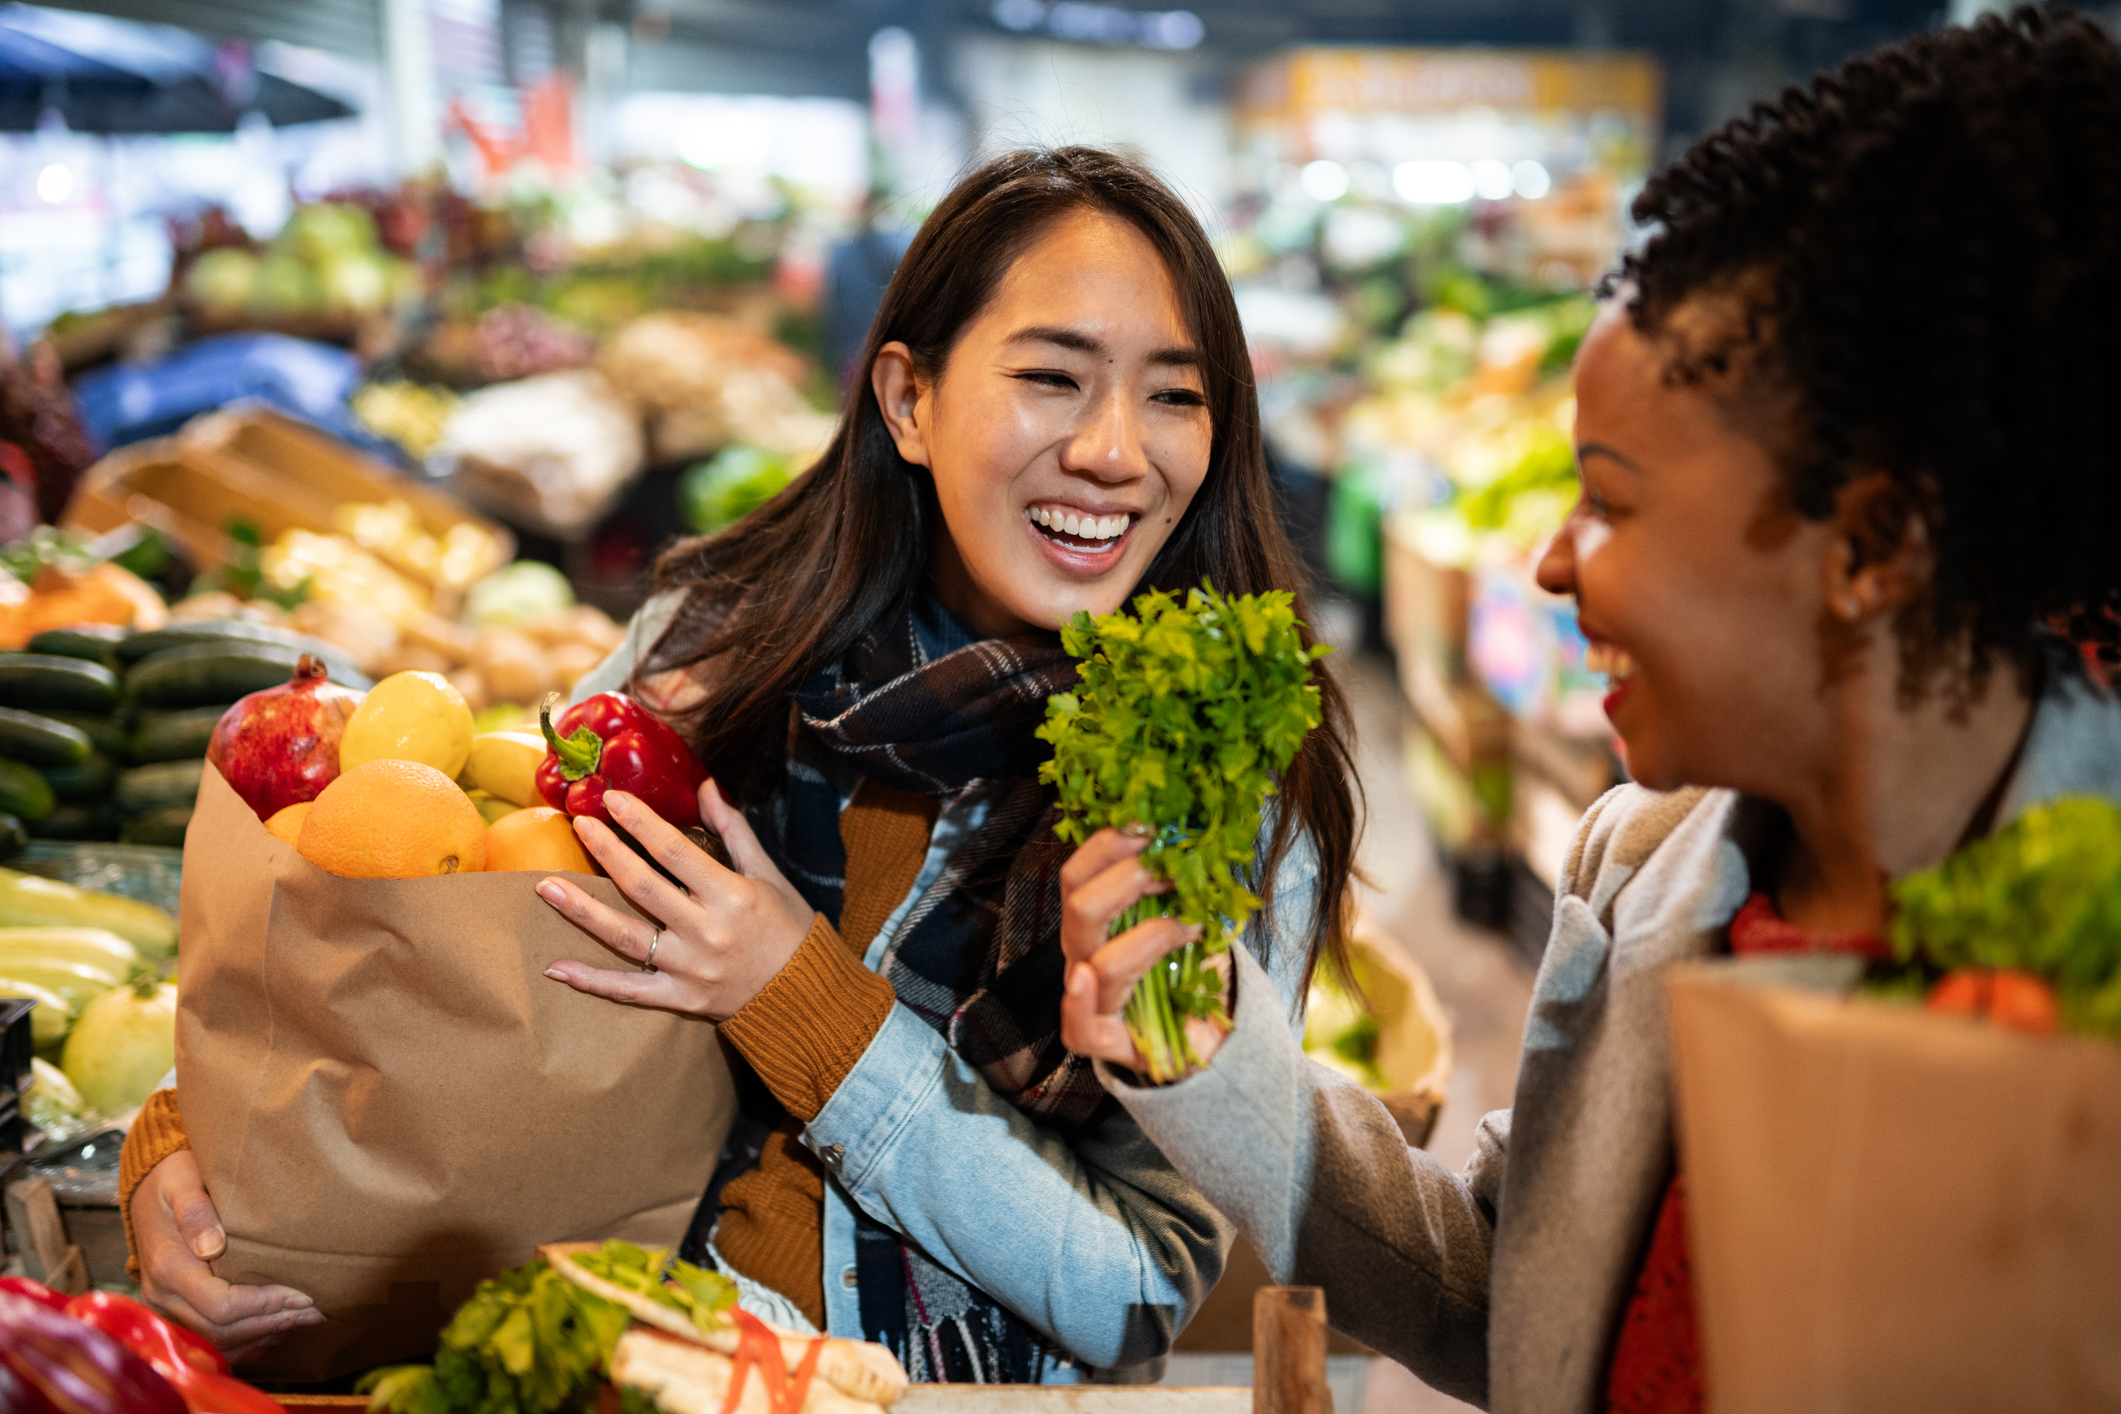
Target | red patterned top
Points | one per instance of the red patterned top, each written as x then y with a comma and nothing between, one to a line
1656,1365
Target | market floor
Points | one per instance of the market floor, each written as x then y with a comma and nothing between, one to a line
1483,985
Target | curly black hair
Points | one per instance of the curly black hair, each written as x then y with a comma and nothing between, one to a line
1928,243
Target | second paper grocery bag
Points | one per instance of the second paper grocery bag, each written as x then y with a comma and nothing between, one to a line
389,1101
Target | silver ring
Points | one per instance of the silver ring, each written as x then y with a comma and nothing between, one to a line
653,943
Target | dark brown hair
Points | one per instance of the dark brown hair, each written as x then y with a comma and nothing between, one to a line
1927,243
772,601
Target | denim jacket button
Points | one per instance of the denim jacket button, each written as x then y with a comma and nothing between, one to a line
833,1154
850,1278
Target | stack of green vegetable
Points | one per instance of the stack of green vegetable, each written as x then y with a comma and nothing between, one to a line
103,732
1186,717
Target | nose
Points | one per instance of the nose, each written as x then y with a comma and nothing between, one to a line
1107,444
1557,563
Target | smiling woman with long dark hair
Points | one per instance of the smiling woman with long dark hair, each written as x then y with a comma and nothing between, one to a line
1058,413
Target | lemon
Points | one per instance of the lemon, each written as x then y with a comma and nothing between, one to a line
409,717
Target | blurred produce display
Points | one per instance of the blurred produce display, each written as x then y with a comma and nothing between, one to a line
703,381
409,414
325,268
717,494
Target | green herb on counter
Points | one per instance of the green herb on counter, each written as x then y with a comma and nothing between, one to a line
1186,716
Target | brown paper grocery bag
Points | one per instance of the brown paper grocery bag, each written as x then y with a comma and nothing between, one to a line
1889,1210
389,1101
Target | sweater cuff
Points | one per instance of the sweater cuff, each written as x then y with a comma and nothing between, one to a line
806,1029
156,1133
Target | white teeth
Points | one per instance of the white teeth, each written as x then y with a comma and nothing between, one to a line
1076,524
1613,662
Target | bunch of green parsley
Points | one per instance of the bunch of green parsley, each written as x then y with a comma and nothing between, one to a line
1185,717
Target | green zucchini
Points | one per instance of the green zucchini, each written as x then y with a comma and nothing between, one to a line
40,740
165,826
27,901
106,732
90,781
77,822
39,680
229,633
96,643
155,787
13,838
23,793
181,735
206,673
52,1016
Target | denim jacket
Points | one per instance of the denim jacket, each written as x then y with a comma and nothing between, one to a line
1094,1240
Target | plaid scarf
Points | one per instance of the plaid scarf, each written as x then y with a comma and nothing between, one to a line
978,955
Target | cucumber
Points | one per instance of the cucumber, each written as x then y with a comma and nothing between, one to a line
206,673
41,741
87,782
27,900
156,787
96,643
39,680
165,826
79,983
23,793
229,633
182,735
106,732
77,822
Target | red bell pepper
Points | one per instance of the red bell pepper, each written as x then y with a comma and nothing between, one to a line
197,1370
609,742
59,1364
36,1291
146,1334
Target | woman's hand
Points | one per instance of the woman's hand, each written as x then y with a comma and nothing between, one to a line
1099,882
725,934
176,1232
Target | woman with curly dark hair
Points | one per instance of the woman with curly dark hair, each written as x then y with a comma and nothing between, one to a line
1850,450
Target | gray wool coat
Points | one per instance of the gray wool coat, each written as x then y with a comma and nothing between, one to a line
1504,1284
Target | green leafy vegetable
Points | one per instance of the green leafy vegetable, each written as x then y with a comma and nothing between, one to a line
532,1342
701,1295
2042,894
1186,716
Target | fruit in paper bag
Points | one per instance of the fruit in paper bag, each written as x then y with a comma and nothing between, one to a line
393,820
410,717
287,824
281,746
124,1043
541,838
505,766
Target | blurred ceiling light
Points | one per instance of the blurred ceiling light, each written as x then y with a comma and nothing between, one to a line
1324,180
1529,179
1491,180
1433,183
55,183
1101,24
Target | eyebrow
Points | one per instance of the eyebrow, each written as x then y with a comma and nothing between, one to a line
1599,449
1079,342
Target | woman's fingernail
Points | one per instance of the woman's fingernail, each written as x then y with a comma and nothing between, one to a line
209,1244
296,1301
1193,931
551,892
555,974
1135,830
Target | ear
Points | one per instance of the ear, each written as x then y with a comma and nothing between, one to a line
901,397
1881,557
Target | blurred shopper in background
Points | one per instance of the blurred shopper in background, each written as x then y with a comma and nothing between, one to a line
1848,445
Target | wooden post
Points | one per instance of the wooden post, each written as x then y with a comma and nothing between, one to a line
1289,1351
40,1234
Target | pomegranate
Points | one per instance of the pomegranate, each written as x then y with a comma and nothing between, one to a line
280,746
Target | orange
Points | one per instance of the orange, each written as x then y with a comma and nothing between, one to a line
287,824
393,820
540,838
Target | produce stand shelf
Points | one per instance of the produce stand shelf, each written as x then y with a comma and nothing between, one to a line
988,1399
